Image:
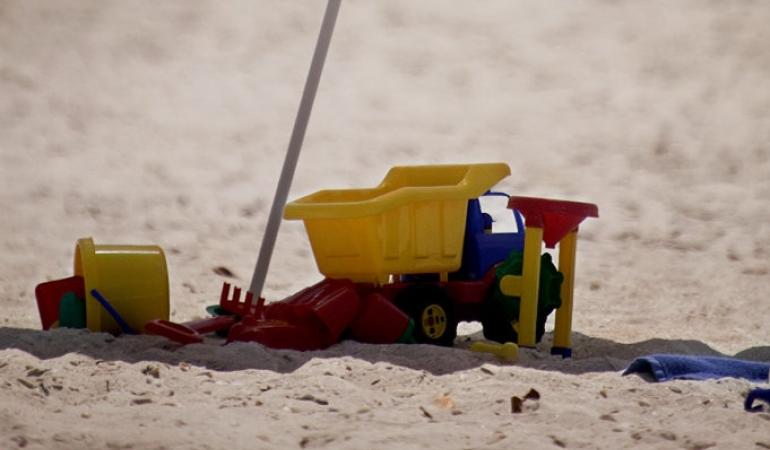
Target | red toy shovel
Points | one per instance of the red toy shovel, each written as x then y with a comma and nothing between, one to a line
49,294
188,332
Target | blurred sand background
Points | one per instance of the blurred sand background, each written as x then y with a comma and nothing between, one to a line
166,123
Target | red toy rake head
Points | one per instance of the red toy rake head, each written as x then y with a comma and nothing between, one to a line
236,306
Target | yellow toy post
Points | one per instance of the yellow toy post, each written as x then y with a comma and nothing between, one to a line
563,326
551,222
526,286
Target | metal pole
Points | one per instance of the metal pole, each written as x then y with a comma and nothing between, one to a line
295,145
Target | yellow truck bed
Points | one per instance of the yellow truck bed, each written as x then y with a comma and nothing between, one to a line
412,223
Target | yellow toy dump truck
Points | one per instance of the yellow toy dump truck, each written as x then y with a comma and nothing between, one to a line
420,238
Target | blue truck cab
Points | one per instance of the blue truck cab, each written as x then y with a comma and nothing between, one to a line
483,247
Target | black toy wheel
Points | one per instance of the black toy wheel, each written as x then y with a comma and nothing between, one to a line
431,309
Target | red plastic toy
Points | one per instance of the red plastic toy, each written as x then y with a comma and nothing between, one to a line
189,332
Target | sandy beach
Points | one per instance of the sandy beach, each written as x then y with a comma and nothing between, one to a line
166,123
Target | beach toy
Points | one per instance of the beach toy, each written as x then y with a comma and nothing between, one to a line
507,351
417,249
124,327
48,296
279,334
313,318
216,310
133,277
189,332
550,222
380,321
234,305
332,303
72,311
413,222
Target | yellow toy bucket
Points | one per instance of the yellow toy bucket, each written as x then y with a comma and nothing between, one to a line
133,278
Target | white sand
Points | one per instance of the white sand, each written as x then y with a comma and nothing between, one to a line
166,122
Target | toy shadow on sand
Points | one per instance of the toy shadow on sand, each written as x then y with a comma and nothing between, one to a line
594,354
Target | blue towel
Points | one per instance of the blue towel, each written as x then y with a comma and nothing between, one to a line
683,367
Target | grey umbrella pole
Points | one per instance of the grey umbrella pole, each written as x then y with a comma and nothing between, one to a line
295,145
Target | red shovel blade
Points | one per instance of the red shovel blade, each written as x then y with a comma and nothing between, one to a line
49,294
380,321
332,303
278,334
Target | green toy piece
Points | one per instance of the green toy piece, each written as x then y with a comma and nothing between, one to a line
216,311
72,311
501,311
407,337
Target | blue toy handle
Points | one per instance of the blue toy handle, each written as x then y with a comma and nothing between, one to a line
756,394
113,312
